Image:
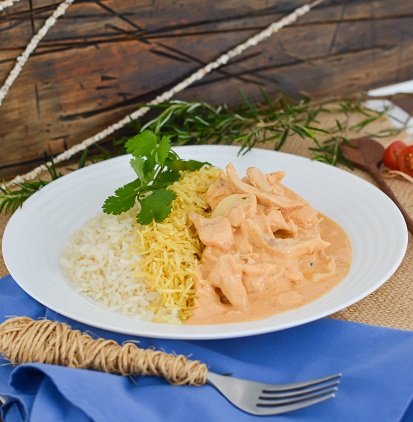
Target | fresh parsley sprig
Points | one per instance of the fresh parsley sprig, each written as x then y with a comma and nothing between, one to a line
157,166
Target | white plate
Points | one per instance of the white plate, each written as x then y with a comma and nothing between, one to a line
36,237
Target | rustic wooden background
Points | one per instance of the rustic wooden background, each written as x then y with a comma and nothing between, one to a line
106,57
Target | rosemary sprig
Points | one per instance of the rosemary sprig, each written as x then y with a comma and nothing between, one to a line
331,152
273,120
11,198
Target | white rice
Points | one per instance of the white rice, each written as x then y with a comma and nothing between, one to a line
100,262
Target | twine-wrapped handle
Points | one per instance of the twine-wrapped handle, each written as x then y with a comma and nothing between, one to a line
24,340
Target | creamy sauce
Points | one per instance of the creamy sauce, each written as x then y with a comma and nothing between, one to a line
266,251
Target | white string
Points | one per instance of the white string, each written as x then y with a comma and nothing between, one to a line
7,3
199,74
22,59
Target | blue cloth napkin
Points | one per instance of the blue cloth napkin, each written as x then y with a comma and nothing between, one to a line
377,382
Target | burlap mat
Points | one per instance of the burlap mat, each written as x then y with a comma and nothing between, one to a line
392,304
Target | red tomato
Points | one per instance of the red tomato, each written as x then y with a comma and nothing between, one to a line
391,154
406,160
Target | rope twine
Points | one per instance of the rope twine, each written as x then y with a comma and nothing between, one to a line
7,3
167,95
24,340
31,47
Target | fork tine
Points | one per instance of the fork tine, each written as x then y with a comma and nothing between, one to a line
271,394
275,401
267,388
278,410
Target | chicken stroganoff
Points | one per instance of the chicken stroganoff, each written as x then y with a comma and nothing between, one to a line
266,250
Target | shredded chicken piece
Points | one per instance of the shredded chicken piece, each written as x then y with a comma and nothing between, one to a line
257,240
218,191
269,199
215,231
263,181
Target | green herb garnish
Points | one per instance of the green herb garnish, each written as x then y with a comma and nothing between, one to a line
272,120
156,167
12,199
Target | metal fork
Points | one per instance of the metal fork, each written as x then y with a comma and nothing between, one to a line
273,399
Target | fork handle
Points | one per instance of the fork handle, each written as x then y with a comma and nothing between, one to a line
24,340
378,177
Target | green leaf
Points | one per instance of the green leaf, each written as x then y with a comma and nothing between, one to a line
163,150
156,167
180,165
165,178
83,158
150,167
137,164
193,165
142,145
123,200
156,206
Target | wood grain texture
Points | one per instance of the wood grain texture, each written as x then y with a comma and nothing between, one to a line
105,58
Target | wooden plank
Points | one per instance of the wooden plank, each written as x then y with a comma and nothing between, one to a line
104,59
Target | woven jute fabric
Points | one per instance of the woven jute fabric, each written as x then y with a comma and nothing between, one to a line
392,304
